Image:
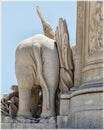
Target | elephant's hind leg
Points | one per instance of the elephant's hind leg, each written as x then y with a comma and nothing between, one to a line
25,78
24,102
25,85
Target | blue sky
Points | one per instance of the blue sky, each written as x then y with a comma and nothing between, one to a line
20,21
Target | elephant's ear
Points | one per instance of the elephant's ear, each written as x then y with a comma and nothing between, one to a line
48,31
65,56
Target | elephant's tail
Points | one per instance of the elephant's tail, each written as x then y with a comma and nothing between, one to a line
39,71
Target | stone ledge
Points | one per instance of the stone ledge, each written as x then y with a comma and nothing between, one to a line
26,123
62,122
28,126
81,91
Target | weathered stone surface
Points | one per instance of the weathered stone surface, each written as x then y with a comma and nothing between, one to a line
91,119
88,57
84,109
64,107
95,28
92,51
28,123
62,122
27,126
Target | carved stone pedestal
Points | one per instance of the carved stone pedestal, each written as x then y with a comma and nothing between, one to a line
82,108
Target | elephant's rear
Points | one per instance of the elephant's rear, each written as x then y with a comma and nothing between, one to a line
37,63
26,66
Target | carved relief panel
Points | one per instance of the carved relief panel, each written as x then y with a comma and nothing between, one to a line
92,46
95,27
93,33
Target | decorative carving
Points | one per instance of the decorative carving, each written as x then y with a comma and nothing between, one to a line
95,27
93,75
65,56
9,103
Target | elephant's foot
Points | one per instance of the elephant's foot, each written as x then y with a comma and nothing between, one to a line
24,113
47,113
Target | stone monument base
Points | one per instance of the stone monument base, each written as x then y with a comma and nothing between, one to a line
28,123
79,109
82,109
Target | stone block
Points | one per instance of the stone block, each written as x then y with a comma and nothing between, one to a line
62,122
64,107
91,119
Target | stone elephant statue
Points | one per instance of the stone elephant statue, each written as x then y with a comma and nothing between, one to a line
37,65
42,62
